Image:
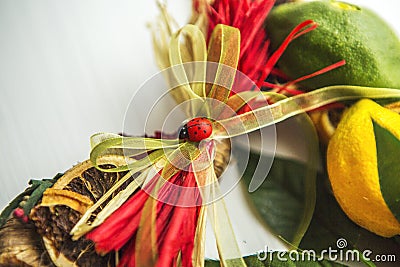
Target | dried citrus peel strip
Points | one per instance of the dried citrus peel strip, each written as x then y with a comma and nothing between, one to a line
52,197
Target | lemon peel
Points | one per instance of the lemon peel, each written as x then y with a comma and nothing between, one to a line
353,170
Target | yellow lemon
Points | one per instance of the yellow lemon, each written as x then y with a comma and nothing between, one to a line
352,163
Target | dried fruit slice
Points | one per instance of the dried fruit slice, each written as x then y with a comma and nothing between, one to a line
20,245
64,204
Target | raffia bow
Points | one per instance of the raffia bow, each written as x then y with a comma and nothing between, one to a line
160,164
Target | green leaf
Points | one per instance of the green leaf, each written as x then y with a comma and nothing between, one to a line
388,155
280,199
330,223
40,186
286,198
34,191
6,212
279,202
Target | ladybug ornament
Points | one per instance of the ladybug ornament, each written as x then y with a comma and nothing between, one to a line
196,129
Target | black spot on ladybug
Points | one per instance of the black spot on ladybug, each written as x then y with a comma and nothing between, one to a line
204,131
183,132
195,133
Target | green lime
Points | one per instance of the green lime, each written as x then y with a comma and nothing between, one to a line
365,41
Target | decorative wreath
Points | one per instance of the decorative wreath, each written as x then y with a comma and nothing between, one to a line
144,200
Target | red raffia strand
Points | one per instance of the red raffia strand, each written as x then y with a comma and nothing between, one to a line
299,30
285,87
248,16
278,73
255,60
175,225
319,72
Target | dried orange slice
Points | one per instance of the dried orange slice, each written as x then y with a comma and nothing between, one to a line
63,205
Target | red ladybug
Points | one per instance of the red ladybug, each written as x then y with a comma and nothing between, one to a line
196,130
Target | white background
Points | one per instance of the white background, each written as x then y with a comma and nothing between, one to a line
68,69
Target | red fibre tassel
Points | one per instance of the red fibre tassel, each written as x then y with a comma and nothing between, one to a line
114,232
181,222
177,213
248,16
256,61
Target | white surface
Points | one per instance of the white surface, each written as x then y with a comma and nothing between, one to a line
68,69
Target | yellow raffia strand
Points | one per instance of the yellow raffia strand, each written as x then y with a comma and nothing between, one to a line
200,16
146,252
224,48
183,53
82,227
138,143
161,31
128,146
194,49
239,100
289,107
148,167
207,181
310,194
199,239
165,26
